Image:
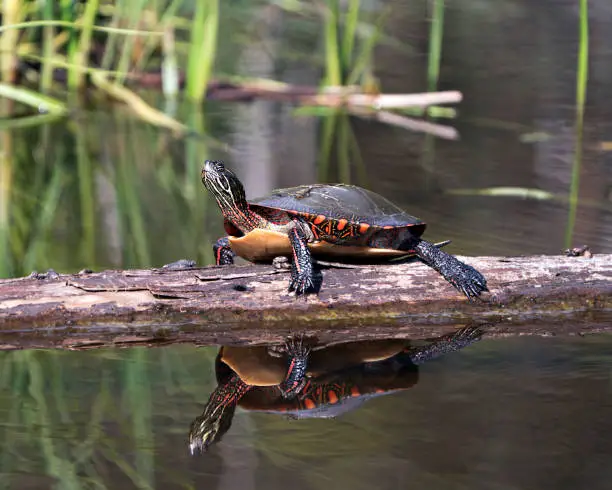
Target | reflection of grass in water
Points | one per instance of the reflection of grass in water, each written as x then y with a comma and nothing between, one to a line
30,198
62,416
85,178
6,186
581,88
337,133
126,195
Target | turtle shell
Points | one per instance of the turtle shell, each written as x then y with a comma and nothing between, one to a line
364,211
341,201
256,367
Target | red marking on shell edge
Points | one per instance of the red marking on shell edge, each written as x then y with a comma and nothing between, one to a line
332,397
341,224
363,227
355,391
388,227
319,219
309,403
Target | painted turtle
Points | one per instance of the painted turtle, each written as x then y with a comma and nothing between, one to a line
323,383
324,220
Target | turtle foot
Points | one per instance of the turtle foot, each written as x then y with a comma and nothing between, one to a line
446,344
467,280
223,252
301,284
461,275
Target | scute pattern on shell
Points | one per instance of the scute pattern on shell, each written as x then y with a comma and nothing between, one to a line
339,201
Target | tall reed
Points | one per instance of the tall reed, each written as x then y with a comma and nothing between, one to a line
582,76
202,48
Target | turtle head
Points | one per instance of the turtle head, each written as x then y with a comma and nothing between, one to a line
225,186
210,427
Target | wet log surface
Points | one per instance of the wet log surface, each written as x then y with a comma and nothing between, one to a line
541,295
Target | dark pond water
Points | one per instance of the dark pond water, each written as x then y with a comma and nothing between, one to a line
105,190
529,413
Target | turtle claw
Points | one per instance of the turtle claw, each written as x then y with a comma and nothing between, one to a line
295,347
446,344
469,281
281,263
301,285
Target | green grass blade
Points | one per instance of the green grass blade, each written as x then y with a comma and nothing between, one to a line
29,121
44,221
581,90
41,102
348,39
333,70
85,175
327,140
84,45
362,62
435,45
202,48
134,10
343,149
67,9
46,77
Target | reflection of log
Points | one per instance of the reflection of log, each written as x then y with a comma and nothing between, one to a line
536,295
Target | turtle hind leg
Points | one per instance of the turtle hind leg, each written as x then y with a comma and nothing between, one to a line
464,277
223,252
302,274
297,363
445,345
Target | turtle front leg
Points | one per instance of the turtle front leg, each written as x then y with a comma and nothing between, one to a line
301,266
464,277
297,362
223,252
217,416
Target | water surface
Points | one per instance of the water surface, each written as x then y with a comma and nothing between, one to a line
516,413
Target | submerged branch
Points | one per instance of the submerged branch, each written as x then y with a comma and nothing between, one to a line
533,295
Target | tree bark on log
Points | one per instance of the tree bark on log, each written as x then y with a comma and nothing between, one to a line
542,295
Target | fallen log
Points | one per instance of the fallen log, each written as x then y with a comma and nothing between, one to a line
542,295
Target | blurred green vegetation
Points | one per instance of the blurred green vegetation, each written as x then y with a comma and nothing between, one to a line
74,188
74,432
80,196
77,191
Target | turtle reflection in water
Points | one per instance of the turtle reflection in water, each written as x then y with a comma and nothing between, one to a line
323,383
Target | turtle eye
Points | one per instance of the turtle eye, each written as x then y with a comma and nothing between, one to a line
214,166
